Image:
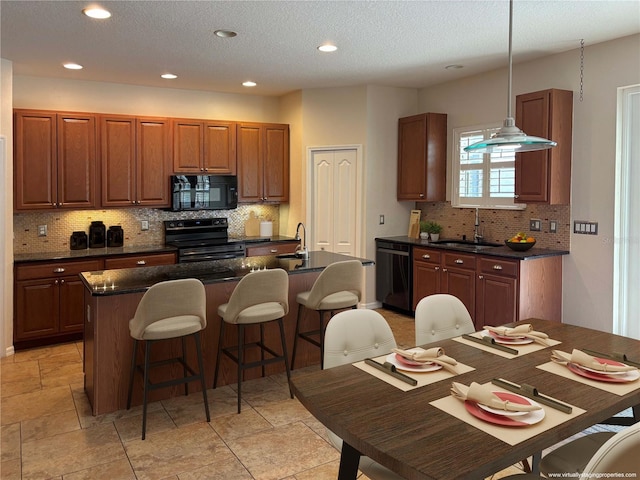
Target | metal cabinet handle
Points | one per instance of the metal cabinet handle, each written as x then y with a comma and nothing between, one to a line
58,270
437,268
497,267
444,270
274,250
202,169
516,196
56,282
141,262
61,281
422,195
458,261
480,277
426,256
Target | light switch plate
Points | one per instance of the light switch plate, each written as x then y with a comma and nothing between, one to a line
144,225
42,230
553,226
535,225
585,228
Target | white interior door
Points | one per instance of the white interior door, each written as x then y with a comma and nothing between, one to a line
334,209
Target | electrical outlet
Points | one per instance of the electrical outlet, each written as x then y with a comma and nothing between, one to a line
144,225
42,230
381,219
535,225
553,226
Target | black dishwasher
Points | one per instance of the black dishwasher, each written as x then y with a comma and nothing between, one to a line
394,275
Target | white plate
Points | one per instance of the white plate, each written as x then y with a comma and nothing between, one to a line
506,340
429,367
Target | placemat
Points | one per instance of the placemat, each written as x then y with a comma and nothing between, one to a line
423,379
617,388
510,435
522,349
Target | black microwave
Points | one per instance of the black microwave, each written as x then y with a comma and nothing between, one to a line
204,192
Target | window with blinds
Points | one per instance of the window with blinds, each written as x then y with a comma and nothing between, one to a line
481,179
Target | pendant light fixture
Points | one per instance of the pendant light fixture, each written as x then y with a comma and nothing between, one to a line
510,137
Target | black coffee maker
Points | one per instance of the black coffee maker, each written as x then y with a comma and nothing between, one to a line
115,236
97,235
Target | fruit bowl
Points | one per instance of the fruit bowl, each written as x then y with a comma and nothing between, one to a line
519,246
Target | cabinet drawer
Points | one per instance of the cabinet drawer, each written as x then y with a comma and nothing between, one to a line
56,269
272,249
140,261
457,260
426,255
498,267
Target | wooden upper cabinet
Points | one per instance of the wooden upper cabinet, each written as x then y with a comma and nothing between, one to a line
135,155
544,176
263,162
422,165
55,160
204,146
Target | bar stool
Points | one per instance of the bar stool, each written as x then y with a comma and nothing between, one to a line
168,310
338,286
260,297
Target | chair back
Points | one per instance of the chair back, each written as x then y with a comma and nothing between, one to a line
439,317
353,335
262,286
343,276
173,298
619,454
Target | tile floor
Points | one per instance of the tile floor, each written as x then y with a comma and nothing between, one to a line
48,431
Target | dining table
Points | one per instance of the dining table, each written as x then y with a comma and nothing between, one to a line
423,433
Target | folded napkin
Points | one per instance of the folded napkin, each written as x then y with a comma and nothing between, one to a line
578,357
484,395
432,355
525,330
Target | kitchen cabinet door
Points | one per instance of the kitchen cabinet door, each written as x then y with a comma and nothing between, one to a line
422,148
461,283
276,163
187,146
544,176
497,291
426,274
71,291
153,162
219,156
250,163
36,309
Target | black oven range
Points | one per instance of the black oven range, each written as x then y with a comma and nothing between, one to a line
201,240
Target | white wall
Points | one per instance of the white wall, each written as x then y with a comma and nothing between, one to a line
588,271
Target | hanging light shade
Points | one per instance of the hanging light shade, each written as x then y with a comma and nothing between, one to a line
510,137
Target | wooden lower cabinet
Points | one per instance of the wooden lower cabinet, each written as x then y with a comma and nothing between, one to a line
271,248
137,261
494,290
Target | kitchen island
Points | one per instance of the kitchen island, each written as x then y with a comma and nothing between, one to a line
112,296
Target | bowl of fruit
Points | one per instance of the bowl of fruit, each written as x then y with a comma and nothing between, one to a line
520,242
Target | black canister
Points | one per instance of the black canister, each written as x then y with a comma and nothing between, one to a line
115,236
97,235
78,241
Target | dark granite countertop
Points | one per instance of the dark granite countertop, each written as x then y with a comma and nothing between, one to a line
273,238
502,251
90,253
132,280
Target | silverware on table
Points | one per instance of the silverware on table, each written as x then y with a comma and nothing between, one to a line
621,357
391,370
490,342
531,392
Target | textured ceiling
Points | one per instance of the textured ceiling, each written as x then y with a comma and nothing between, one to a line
395,43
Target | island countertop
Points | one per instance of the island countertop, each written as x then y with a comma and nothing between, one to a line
133,280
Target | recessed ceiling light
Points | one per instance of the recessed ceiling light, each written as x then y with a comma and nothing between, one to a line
72,66
225,33
96,12
249,84
169,76
327,48
453,67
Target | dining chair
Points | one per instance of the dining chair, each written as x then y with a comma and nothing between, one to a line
439,317
339,286
168,310
260,297
352,336
618,454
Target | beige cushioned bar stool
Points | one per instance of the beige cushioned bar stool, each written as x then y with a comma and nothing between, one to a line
168,310
338,286
352,336
260,297
441,316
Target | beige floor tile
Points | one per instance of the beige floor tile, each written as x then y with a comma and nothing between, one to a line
36,404
18,378
61,370
174,452
8,359
49,425
284,412
71,452
130,428
505,473
261,391
317,427
299,449
234,426
46,352
10,442
28,385
326,471
117,470
190,409
224,466
10,470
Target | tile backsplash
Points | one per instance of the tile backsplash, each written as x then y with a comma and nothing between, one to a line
499,225
62,223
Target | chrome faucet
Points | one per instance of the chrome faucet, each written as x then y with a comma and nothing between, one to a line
477,236
301,250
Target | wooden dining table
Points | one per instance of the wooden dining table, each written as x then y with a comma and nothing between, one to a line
404,432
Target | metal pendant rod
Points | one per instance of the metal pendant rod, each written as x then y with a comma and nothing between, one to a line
510,58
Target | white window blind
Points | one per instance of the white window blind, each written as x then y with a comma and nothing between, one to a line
481,179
